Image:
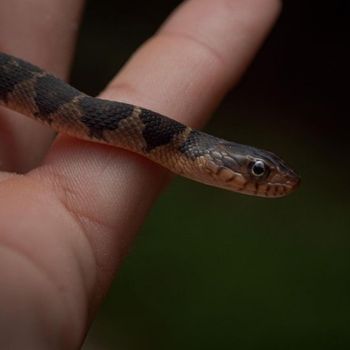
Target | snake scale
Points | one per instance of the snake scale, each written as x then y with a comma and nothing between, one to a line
35,93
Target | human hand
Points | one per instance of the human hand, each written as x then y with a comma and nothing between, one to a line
66,224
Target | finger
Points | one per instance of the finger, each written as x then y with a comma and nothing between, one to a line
91,198
43,32
209,45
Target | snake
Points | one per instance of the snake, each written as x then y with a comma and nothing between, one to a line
32,91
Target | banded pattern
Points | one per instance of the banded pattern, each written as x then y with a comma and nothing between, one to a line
191,153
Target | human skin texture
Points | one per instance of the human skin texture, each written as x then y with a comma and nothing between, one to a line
68,221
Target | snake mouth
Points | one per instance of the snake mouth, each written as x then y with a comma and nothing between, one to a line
282,185
269,190
266,189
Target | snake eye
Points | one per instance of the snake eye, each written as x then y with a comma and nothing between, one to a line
258,168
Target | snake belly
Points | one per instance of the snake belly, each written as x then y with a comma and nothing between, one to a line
35,93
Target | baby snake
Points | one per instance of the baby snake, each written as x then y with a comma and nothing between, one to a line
30,90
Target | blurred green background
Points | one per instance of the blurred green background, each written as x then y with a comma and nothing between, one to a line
215,270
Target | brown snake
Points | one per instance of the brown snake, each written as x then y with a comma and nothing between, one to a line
30,90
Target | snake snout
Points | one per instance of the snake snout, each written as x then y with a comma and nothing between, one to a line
282,181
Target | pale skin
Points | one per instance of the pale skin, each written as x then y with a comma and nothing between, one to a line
67,223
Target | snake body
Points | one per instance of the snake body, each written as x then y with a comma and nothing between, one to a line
35,93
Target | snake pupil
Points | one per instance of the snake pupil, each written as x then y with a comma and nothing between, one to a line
258,168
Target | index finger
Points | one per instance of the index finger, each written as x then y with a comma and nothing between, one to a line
208,47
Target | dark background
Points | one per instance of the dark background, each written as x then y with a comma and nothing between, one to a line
215,270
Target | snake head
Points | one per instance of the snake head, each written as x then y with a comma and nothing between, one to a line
249,170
